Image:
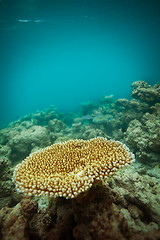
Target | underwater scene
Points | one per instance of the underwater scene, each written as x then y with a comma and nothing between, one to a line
80,120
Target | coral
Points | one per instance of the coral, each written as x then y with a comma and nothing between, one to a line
138,198
24,141
90,215
67,169
25,135
89,131
6,185
94,214
127,208
144,137
5,151
43,117
156,109
3,165
113,119
154,172
133,105
123,111
97,218
13,224
56,125
28,207
145,93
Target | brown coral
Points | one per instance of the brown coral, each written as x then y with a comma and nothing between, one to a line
67,169
146,93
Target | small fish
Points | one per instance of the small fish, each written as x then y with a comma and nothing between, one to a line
30,20
39,20
24,20
102,119
87,117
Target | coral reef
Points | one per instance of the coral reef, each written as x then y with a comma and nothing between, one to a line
91,214
14,222
109,118
20,140
67,169
97,214
6,185
143,134
137,195
144,137
146,93
125,207
96,217
22,143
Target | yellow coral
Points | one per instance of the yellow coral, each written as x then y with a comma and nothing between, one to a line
67,169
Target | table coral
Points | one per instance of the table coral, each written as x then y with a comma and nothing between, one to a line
67,169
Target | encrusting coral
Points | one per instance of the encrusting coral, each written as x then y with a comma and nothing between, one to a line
67,169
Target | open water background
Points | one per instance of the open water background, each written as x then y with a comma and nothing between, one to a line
67,52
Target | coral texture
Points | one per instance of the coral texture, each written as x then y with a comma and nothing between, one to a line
6,184
137,195
146,93
67,169
92,215
125,207
144,137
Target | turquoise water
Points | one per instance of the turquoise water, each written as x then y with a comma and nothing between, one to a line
63,53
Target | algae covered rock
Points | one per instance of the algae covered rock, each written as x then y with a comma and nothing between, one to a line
143,136
91,132
92,214
146,93
96,214
23,142
138,197
134,105
6,184
14,223
56,125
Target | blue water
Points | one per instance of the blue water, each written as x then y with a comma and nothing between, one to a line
63,53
